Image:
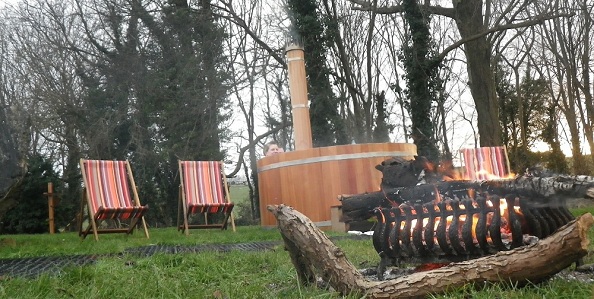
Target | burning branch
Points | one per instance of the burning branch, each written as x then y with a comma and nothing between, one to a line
313,253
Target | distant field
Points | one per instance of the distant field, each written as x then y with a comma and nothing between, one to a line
240,196
239,193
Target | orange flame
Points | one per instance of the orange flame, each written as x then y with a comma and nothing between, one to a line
503,212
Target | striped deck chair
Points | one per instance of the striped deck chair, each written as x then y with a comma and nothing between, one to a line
486,163
203,190
109,193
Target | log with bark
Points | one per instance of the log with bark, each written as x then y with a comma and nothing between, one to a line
313,254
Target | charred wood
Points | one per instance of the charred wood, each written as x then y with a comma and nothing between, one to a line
460,229
561,186
549,192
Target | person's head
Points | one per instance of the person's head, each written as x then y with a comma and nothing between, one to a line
272,148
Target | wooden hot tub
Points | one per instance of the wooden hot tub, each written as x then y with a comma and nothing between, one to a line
310,180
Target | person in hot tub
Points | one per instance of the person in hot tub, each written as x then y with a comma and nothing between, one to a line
272,148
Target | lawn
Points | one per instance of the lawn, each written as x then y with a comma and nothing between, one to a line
235,274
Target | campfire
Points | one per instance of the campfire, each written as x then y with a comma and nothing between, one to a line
434,215
317,259
508,230
467,227
459,229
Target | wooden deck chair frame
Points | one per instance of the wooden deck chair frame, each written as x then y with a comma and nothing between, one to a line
216,192
483,163
109,192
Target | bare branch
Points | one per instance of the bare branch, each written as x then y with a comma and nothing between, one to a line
235,19
433,9
537,20
247,147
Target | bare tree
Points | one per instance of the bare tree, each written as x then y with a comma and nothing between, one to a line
565,57
478,28
360,63
10,158
521,49
49,113
258,85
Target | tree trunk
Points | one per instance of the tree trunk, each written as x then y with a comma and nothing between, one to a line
312,252
586,87
10,172
469,19
420,68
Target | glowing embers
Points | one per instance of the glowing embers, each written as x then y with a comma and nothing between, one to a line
463,229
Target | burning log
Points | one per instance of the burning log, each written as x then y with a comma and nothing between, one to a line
424,215
312,253
547,191
458,230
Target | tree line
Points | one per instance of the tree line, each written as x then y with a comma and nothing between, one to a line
158,81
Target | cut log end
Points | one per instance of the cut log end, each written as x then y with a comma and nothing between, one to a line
584,223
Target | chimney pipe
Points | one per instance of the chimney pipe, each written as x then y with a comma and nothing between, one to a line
299,101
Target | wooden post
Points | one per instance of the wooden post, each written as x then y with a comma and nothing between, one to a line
50,205
299,99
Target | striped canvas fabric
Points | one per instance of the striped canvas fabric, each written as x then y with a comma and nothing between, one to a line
203,187
108,190
486,163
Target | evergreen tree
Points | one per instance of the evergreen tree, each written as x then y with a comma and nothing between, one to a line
327,127
160,100
381,132
507,106
421,71
183,101
535,100
30,216
556,160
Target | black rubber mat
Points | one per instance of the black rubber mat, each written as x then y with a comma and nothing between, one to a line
33,267
153,249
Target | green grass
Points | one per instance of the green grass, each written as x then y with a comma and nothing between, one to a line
239,193
554,288
267,274
17,246
582,211
240,196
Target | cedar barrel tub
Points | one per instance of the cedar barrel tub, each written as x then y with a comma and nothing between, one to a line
310,180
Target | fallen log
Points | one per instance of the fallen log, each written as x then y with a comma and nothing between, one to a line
312,253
